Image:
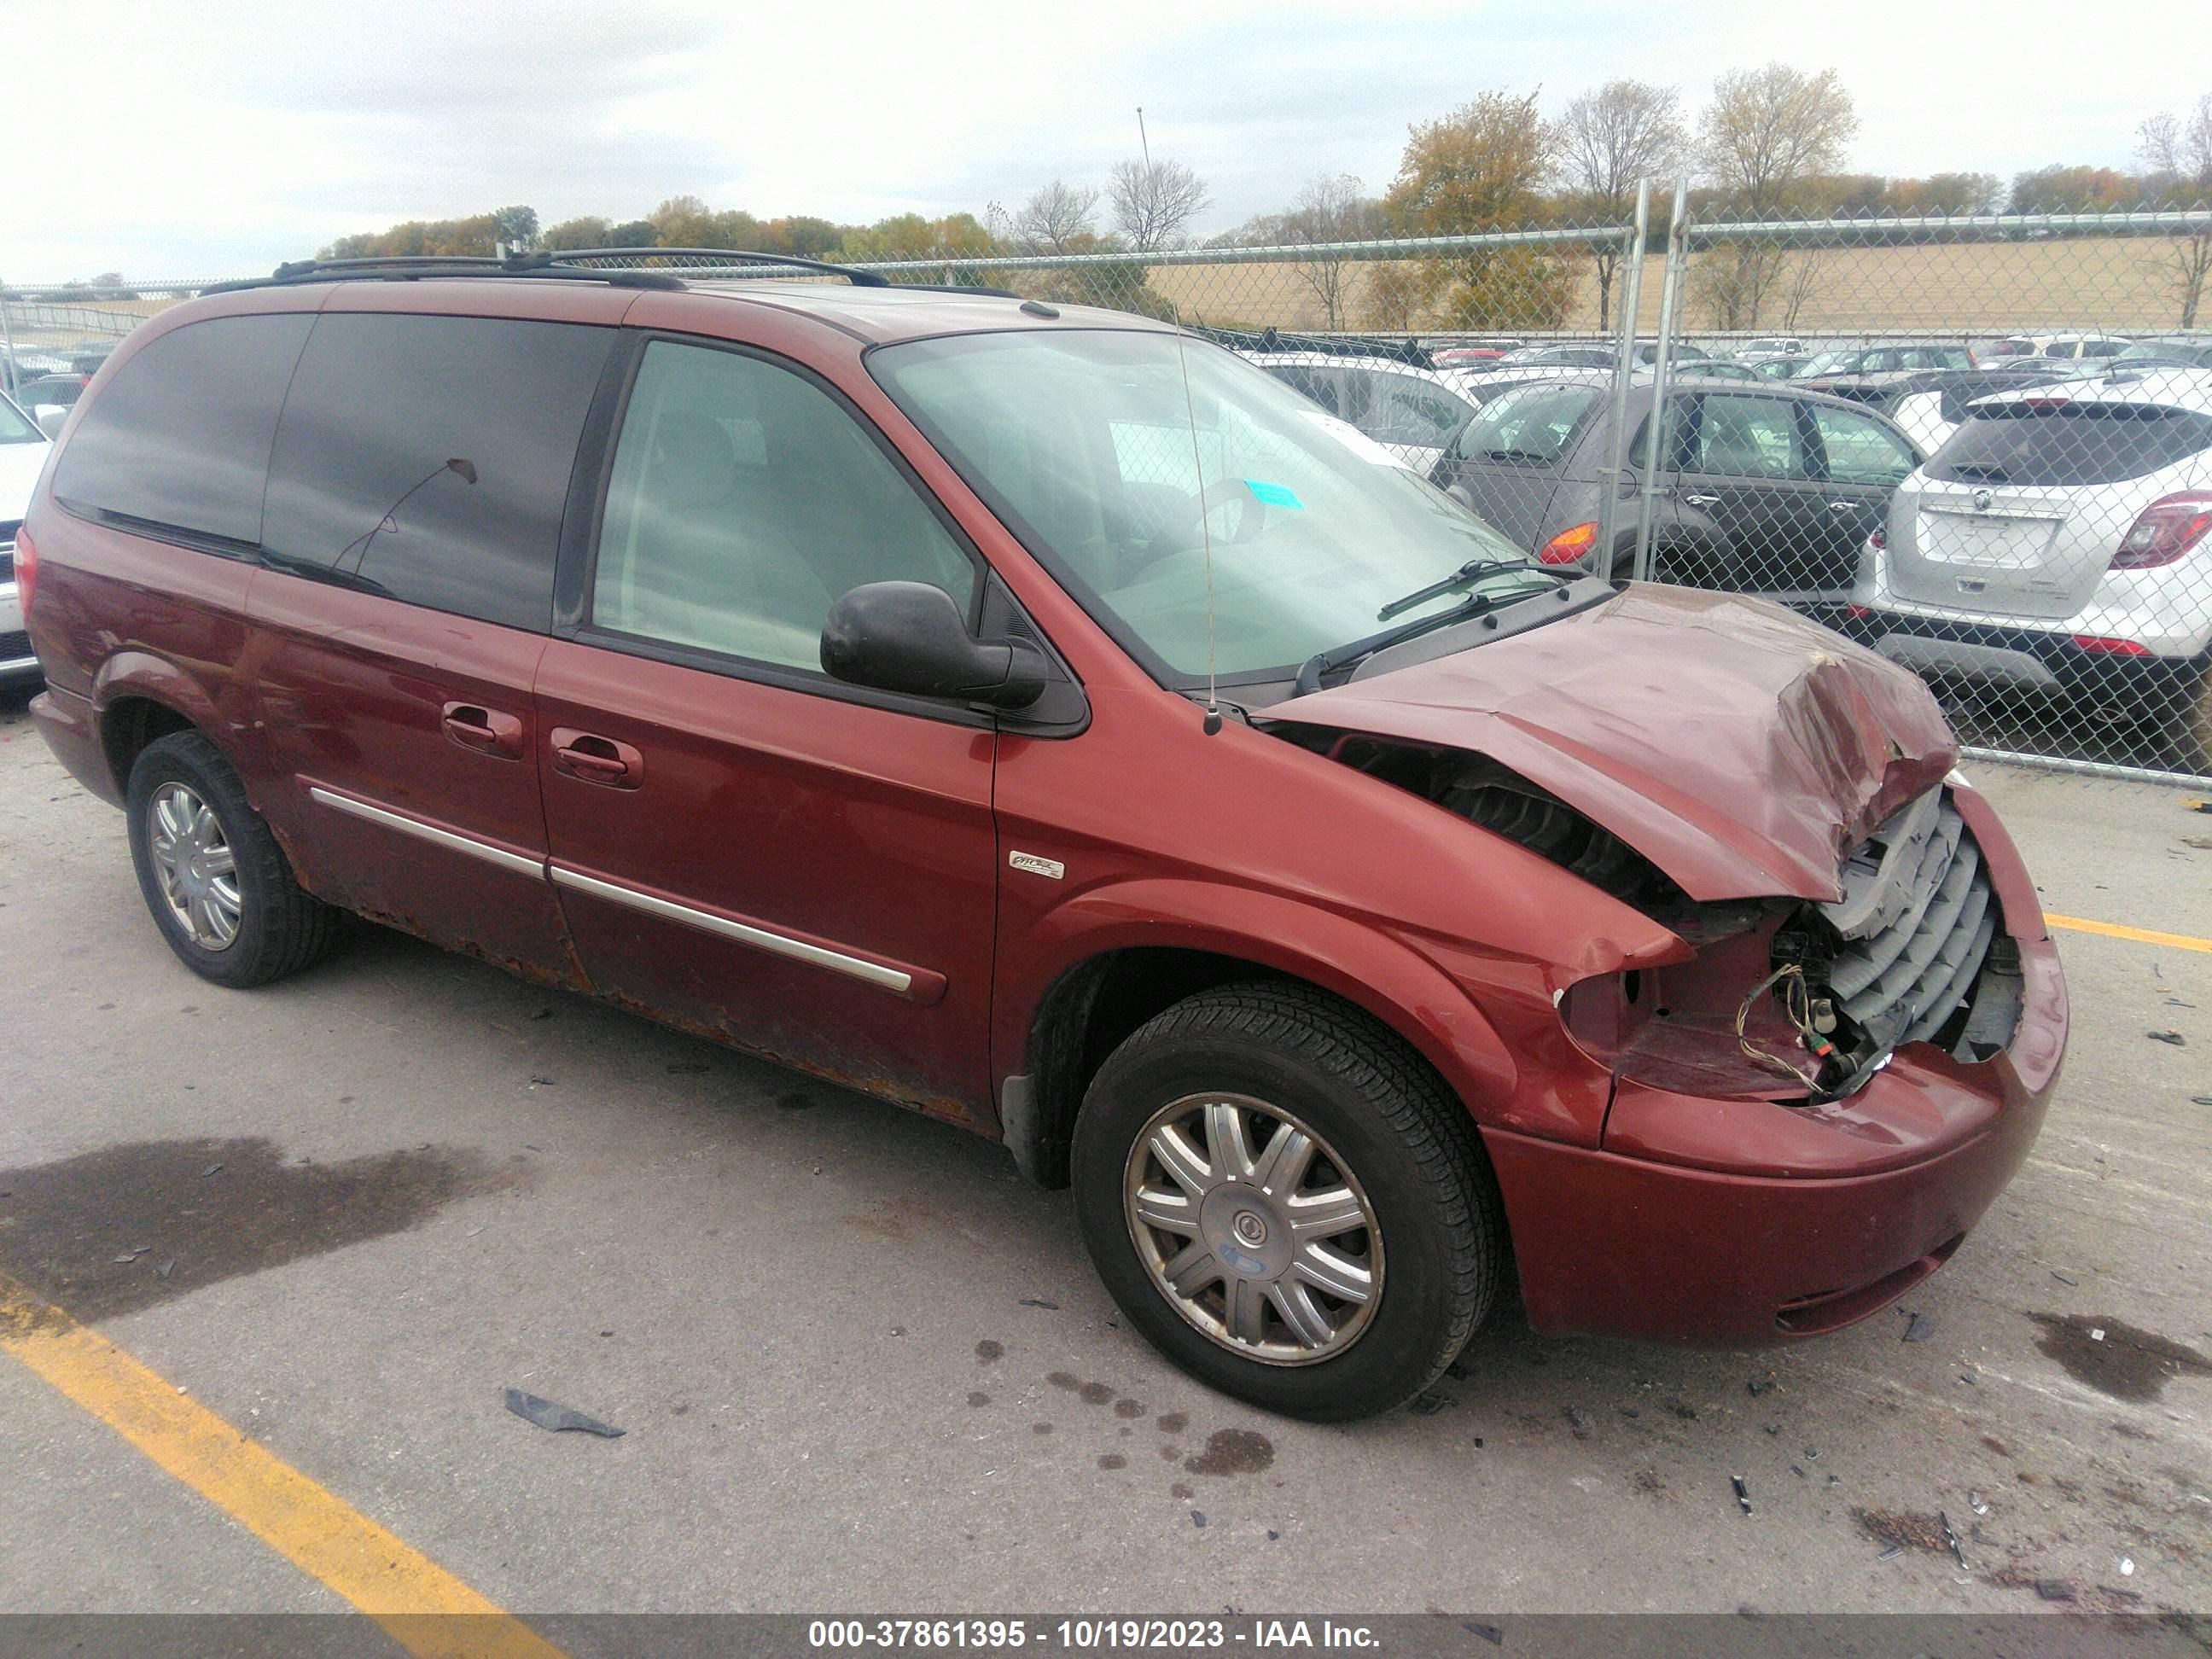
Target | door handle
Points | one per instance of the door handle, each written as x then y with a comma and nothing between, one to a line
1843,506
486,731
590,758
1700,500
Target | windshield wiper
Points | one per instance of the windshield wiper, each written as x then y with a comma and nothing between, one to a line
1473,571
1343,656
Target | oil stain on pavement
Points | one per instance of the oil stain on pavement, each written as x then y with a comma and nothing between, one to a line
2115,1358
111,1231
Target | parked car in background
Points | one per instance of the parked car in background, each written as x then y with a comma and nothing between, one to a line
1760,489
2061,542
1869,373
2180,353
23,452
1410,412
50,398
1769,346
1471,354
2091,343
1599,354
1039,717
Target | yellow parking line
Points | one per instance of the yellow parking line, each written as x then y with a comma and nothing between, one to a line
411,1595
2140,935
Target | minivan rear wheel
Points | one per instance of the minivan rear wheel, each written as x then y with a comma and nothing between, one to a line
1286,1202
218,885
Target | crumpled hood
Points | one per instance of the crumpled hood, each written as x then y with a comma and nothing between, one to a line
1742,748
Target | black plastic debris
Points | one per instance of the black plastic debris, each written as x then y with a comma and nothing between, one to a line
2200,1100
1198,1517
1951,1538
212,1169
1759,1385
1742,1493
2054,1589
1918,1327
129,1256
1272,1534
1799,1472
2173,1037
1893,1551
1489,1633
164,1270
1039,1302
2065,1279
547,1414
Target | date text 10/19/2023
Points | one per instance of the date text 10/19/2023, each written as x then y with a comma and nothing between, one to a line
1088,1635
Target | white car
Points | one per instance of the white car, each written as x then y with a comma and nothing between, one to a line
23,452
2061,540
1410,412
2091,343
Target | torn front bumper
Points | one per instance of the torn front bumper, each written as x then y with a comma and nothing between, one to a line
1819,1217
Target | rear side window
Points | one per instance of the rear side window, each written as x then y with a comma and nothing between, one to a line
181,437
1532,425
2069,443
429,457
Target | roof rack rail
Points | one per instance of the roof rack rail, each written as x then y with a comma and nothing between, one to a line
551,263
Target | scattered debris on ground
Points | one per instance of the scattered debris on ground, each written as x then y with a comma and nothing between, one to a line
547,1414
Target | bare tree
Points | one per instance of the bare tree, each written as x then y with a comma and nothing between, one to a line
1330,210
2179,151
1608,139
1154,201
1049,220
1767,135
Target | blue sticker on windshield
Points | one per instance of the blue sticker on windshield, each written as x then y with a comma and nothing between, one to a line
1273,495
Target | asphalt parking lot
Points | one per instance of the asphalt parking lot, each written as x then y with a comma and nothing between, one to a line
862,1366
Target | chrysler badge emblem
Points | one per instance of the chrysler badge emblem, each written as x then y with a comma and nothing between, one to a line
1984,500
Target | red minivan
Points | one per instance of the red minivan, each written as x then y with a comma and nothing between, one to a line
1046,719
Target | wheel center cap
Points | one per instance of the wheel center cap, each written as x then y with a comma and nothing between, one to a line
1243,1229
1250,1227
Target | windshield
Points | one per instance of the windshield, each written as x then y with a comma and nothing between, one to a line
16,427
1832,362
1088,446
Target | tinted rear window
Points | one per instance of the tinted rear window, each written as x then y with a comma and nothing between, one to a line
1531,425
180,436
359,482
2069,443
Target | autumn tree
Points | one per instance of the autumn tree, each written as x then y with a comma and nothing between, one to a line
1154,202
2058,189
1950,194
589,231
1055,217
1768,134
2177,150
518,227
1481,169
1609,139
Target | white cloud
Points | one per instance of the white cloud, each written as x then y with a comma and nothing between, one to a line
219,140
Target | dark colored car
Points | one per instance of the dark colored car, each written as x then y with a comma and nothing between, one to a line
1048,721
1761,488
1870,374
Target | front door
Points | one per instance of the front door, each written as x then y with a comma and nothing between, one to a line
1745,472
1860,462
742,845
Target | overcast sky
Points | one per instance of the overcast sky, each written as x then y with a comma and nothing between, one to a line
172,141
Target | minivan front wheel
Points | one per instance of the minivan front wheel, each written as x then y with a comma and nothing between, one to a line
218,885
1286,1203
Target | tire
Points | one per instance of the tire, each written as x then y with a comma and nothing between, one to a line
277,928
1387,1137
2191,746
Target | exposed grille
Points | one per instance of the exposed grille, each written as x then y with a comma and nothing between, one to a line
14,646
1917,919
8,529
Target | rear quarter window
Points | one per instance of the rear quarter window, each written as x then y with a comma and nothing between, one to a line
359,482
2069,443
181,438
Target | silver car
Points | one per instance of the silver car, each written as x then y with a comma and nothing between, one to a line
2061,541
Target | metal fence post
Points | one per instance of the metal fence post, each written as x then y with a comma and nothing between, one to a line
1669,286
7,339
1631,300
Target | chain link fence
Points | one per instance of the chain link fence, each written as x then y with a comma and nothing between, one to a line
1981,447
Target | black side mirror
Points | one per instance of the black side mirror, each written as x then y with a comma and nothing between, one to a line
910,637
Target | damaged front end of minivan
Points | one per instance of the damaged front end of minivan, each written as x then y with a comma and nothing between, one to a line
1858,987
